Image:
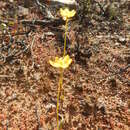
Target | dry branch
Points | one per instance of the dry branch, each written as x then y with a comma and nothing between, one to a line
52,22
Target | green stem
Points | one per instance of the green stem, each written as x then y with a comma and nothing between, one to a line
58,95
66,25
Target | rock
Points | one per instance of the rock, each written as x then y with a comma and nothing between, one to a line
122,40
50,106
22,11
12,97
37,76
11,1
117,43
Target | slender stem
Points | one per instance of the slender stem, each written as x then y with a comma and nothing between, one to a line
60,85
58,95
66,25
89,4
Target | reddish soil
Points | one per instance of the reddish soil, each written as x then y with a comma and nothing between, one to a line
96,85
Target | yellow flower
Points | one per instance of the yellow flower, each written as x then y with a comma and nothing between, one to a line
66,13
62,62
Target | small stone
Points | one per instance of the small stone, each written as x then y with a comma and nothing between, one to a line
11,1
23,11
122,40
37,76
117,43
100,103
50,106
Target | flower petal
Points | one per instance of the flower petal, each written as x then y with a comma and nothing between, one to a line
66,13
54,64
62,62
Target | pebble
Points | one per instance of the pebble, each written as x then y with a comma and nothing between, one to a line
122,40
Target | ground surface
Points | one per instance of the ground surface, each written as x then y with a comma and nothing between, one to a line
96,85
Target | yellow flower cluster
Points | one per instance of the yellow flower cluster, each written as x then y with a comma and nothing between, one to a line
62,62
66,13
65,61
